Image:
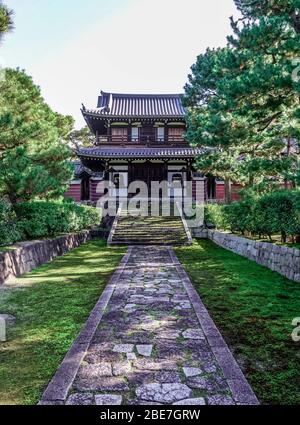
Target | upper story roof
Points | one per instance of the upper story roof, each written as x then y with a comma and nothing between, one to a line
104,153
137,106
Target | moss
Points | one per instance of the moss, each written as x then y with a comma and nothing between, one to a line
51,305
253,308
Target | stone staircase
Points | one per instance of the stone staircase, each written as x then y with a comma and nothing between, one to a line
148,230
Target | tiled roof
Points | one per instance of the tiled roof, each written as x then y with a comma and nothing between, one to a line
80,169
120,152
138,105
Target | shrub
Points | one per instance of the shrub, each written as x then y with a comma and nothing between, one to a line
214,215
41,219
9,232
280,213
275,212
239,216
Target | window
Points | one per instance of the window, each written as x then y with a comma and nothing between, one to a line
119,134
134,134
176,133
160,134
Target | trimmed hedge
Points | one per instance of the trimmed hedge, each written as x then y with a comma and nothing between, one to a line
9,232
274,213
38,219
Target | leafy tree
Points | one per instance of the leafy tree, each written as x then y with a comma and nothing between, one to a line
82,138
6,21
33,142
243,101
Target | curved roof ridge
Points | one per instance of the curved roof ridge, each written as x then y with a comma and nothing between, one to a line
104,93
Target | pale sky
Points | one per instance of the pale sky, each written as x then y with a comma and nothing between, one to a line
75,48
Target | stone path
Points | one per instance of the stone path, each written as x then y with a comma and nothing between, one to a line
155,344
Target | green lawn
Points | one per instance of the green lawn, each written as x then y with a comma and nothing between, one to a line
253,308
51,307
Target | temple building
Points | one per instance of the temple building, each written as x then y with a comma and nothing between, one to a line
138,137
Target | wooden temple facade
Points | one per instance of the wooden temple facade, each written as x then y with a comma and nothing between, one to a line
137,138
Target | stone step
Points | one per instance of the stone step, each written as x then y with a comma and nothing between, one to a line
150,237
148,242
148,220
152,224
149,230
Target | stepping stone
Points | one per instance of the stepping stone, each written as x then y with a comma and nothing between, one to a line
216,384
92,371
131,356
183,306
143,403
114,383
145,364
168,335
167,377
163,393
108,400
144,350
180,299
122,368
123,348
191,402
130,307
220,400
193,334
80,399
209,368
192,371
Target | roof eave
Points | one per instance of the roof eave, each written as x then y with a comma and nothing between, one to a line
104,117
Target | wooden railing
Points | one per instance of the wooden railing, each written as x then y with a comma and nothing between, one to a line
141,140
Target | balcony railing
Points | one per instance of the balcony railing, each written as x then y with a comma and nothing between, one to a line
141,140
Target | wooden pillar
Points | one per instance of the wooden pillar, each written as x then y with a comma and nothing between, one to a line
166,170
189,172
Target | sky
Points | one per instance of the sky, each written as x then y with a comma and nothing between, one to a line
73,49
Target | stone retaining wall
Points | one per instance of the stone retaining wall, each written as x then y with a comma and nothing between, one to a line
29,255
281,259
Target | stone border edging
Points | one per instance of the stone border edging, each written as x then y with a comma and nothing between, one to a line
185,225
281,259
239,386
114,226
57,390
28,255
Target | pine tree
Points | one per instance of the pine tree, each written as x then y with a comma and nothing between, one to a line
6,21
242,100
34,149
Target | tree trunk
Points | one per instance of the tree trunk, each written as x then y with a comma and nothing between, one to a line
283,237
227,191
288,152
12,199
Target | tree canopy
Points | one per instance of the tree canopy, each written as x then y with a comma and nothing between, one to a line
242,100
6,20
34,141
82,138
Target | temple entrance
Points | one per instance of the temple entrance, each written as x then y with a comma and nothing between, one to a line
147,172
